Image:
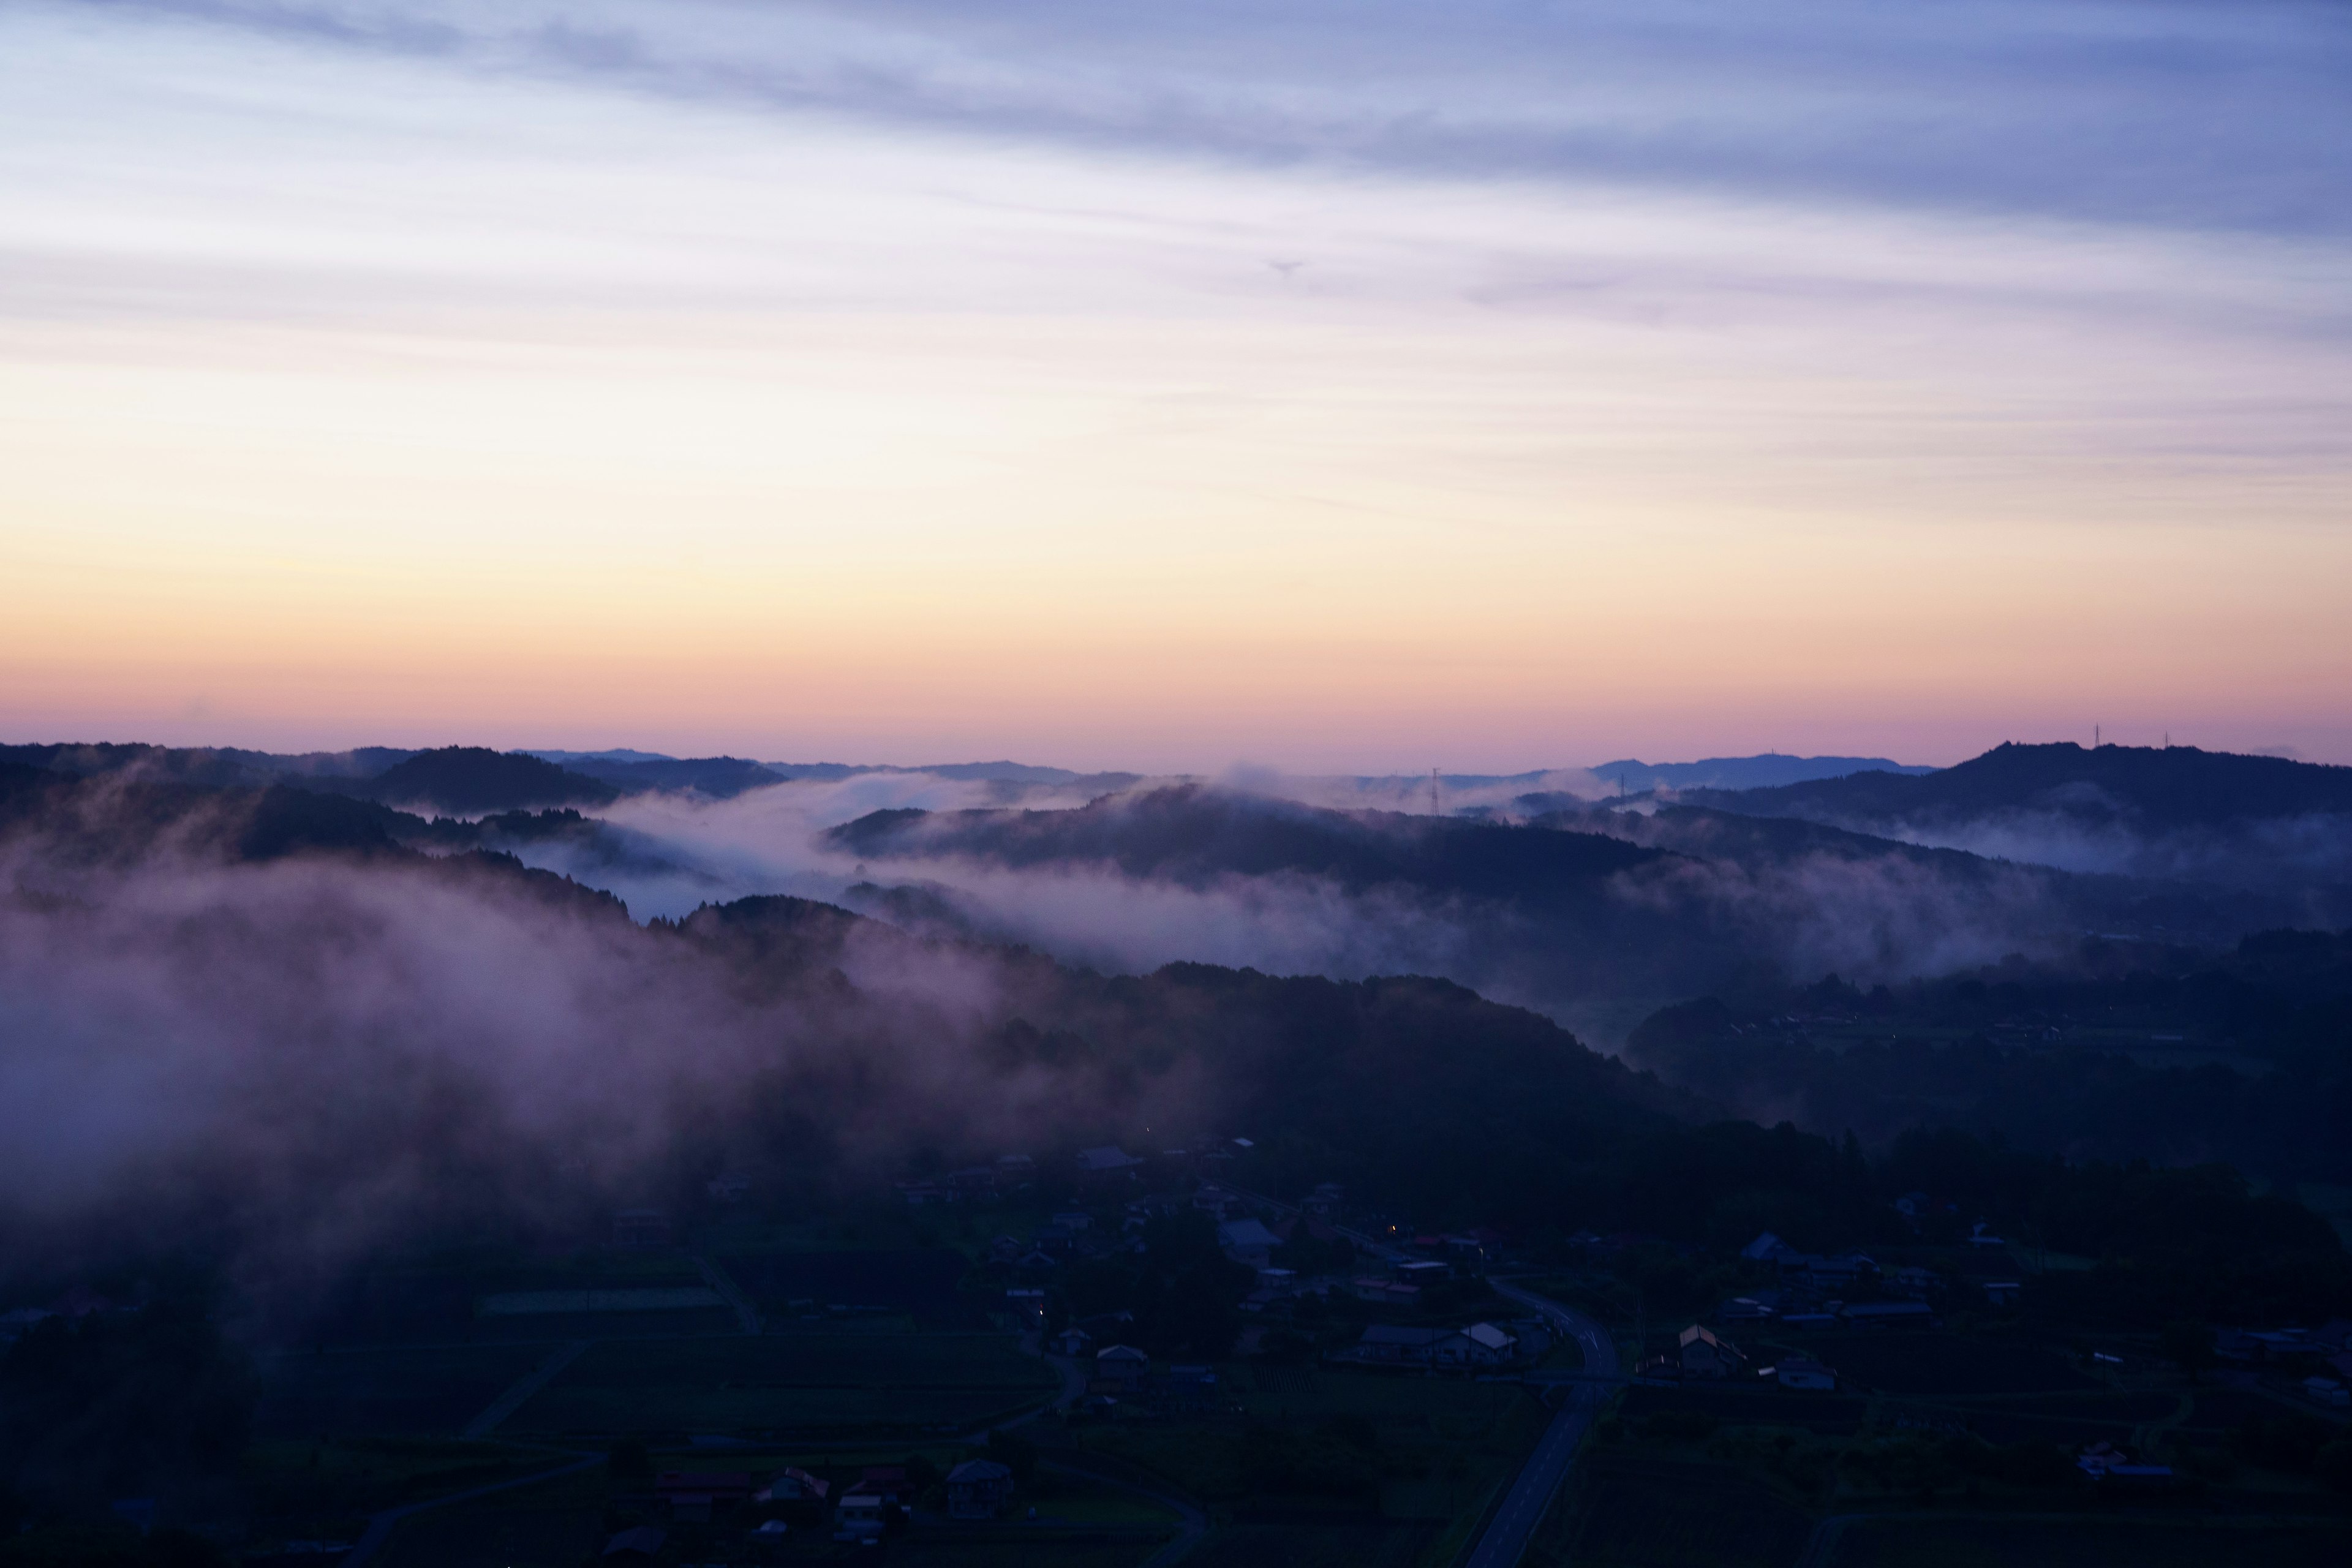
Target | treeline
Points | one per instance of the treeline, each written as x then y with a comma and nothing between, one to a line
2042,1059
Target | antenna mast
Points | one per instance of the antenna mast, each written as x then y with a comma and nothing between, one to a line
1433,793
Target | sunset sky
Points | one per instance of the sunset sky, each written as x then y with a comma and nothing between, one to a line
1337,385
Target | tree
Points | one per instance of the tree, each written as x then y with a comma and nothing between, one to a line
2187,1345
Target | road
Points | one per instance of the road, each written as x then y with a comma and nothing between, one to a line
531,1382
381,1526
1522,1508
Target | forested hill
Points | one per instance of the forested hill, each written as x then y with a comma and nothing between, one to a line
2155,787
1195,834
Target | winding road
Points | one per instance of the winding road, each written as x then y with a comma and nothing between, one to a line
1522,1508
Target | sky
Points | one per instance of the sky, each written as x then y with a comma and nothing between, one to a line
1337,387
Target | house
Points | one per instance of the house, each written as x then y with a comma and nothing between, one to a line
696,1494
1489,1345
1912,1281
1700,1353
641,1228
1121,1363
768,1541
639,1545
1391,1344
1422,1271
1748,1308
1215,1200
1247,1241
1829,1273
2001,1292
1325,1200
1802,1371
915,1194
888,1482
792,1484
2105,1463
1054,1238
1765,1249
1070,1341
979,1489
862,1517
1111,1160
1385,1292
2326,1390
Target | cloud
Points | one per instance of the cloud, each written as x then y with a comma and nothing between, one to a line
2071,110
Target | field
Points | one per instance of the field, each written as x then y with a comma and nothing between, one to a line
551,1535
1947,1366
1944,1542
2072,1420
1832,1415
443,1303
395,1389
344,1480
1026,1550
1443,1439
809,1383
1632,1513
918,1281
1353,1543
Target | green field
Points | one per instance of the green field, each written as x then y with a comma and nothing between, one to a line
1020,1549
1330,1467
1936,1542
349,1478
811,1382
1320,1544
1632,1513
390,1389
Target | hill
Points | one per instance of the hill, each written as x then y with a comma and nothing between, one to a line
721,778
1769,770
475,779
2162,787
1194,835
2204,819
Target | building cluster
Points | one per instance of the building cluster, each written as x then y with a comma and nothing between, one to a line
2313,1364
878,1498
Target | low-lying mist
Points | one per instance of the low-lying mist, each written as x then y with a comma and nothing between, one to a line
1248,873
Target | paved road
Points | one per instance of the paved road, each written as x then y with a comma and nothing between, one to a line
381,1526
1522,1508
719,1280
531,1383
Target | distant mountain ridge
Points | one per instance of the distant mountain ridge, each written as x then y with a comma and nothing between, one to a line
2170,786
2214,819
1762,772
